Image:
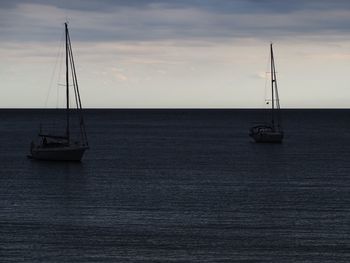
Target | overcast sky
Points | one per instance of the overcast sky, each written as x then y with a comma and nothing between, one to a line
185,53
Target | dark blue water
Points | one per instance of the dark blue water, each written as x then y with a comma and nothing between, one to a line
179,186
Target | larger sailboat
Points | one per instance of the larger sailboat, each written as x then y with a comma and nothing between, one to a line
270,132
62,147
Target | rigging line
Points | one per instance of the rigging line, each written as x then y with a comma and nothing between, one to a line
73,77
76,100
74,81
267,80
57,97
76,89
279,119
58,55
78,104
58,77
266,100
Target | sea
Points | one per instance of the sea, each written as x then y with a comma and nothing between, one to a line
178,186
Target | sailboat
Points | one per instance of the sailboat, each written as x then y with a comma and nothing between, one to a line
62,147
270,132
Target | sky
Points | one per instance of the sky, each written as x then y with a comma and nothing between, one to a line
176,54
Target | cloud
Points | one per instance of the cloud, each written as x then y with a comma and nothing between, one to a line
260,75
119,74
150,20
230,6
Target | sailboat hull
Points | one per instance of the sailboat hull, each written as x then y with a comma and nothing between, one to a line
263,134
68,153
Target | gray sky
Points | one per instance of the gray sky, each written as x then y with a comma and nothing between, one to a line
191,53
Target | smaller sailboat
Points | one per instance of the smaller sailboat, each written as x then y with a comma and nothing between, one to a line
270,132
62,147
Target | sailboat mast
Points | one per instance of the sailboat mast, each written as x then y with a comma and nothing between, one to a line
67,81
272,86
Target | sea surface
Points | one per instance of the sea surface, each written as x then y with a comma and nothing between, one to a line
179,186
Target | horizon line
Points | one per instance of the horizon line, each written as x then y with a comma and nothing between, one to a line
176,108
